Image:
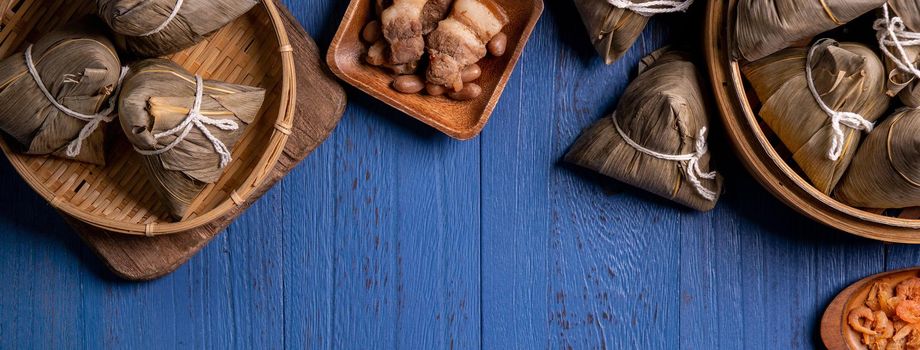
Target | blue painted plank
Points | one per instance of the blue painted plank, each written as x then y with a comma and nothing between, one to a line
57,295
310,217
617,251
585,269
309,242
407,231
203,287
764,274
789,288
711,281
438,247
405,225
393,236
256,263
515,200
901,256
33,296
365,237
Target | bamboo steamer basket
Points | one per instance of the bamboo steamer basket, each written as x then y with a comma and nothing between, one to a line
253,50
762,154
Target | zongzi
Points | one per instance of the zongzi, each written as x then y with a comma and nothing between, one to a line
886,171
908,11
151,28
818,101
184,126
764,27
656,138
899,40
57,96
460,40
615,25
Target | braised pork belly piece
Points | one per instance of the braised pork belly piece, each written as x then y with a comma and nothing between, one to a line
461,39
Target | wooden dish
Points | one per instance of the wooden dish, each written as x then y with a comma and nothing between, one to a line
759,153
253,50
319,107
835,333
460,120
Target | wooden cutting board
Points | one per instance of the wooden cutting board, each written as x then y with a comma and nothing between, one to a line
320,105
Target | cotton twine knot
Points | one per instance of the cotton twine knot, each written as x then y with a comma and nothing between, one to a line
172,16
838,119
197,120
693,170
92,121
650,8
892,32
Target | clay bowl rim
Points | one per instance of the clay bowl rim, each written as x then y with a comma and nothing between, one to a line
833,321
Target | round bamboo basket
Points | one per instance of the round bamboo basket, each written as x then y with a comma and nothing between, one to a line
253,50
758,150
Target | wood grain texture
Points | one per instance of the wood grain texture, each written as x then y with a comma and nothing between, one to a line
320,104
836,333
460,120
762,157
114,198
391,235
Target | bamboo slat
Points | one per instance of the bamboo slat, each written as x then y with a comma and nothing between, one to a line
766,159
253,50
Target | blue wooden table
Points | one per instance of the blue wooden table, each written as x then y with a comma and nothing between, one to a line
394,236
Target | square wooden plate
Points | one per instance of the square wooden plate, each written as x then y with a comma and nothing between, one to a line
461,120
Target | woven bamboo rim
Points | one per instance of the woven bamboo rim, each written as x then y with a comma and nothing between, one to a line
255,156
761,158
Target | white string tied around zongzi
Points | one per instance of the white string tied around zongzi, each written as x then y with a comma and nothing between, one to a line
92,121
197,120
172,16
892,32
650,8
693,170
838,119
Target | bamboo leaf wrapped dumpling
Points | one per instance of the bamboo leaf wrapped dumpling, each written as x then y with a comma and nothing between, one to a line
615,25
849,80
612,30
656,138
898,31
764,27
185,127
886,171
61,109
909,11
151,28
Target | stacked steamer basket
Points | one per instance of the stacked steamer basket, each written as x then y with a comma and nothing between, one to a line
253,50
764,155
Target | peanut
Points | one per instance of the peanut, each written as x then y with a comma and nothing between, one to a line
471,73
435,90
498,45
469,92
371,32
408,84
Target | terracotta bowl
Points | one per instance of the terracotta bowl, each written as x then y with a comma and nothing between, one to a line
835,332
